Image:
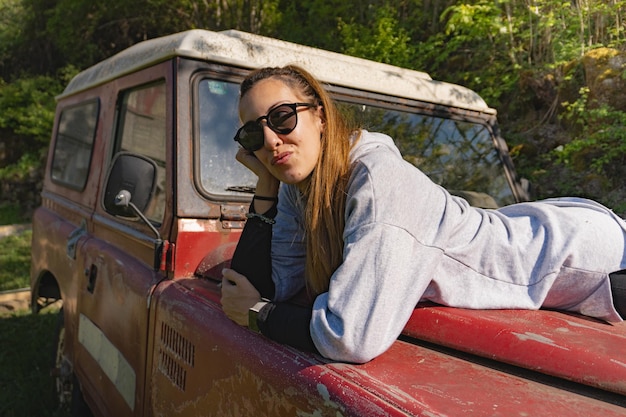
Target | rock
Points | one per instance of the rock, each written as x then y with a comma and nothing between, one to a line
604,75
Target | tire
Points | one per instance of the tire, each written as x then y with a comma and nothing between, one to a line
78,406
66,388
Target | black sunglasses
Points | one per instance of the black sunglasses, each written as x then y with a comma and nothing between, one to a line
281,119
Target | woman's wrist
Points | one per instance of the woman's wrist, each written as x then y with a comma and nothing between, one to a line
267,185
266,194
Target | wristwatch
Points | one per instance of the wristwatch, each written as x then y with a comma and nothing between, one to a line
253,314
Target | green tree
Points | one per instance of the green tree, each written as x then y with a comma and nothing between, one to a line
26,116
513,52
26,47
42,36
383,40
597,149
38,38
10,27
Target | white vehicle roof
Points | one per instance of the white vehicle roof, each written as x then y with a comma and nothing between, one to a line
251,51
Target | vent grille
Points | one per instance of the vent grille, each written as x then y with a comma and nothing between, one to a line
172,370
176,355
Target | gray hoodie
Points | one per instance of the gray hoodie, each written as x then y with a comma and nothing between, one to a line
407,239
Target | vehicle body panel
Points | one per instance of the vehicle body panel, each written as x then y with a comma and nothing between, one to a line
569,346
408,379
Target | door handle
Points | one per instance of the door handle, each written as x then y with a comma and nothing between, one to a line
91,274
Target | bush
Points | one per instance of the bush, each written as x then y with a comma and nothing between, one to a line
11,214
15,261
27,108
596,154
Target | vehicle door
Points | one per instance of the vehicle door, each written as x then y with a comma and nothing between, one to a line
63,222
121,267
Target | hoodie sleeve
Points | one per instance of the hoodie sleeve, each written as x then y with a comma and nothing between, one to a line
386,268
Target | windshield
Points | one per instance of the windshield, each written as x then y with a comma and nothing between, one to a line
458,155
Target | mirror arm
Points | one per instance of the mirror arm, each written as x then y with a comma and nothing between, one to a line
123,199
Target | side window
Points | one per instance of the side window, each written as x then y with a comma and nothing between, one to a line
142,130
217,119
74,145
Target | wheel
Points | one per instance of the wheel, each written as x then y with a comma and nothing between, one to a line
67,393
61,368
78,406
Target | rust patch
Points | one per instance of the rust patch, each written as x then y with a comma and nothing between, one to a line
537,338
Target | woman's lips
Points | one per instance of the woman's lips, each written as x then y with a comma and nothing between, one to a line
281,158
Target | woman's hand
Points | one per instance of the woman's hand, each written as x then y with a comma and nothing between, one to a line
267,184
238,295
250,161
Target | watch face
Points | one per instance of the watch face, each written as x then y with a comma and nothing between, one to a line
253,316
252,323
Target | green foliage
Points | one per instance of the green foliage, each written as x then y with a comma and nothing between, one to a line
27,106
359,27
21,170
315,22
69,18
42,36
11,13
15,261
474,21
601,144
382,41
11,214
476,42
484,44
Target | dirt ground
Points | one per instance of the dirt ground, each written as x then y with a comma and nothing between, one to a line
12,301
12,229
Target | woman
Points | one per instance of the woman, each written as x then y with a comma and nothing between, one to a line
343,225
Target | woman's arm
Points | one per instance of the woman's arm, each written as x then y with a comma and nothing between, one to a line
252,255
284,322
387,264
288,324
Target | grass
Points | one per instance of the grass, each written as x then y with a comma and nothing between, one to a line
26,340
15,261
26,357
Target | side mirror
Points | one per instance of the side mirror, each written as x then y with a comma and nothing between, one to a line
134,174
129,188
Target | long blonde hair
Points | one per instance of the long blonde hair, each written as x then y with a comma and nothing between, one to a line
325,194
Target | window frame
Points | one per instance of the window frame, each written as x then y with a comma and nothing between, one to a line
118,136
92,144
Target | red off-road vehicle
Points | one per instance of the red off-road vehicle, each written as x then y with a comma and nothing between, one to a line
143,204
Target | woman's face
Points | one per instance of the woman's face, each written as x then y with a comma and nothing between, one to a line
289,157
